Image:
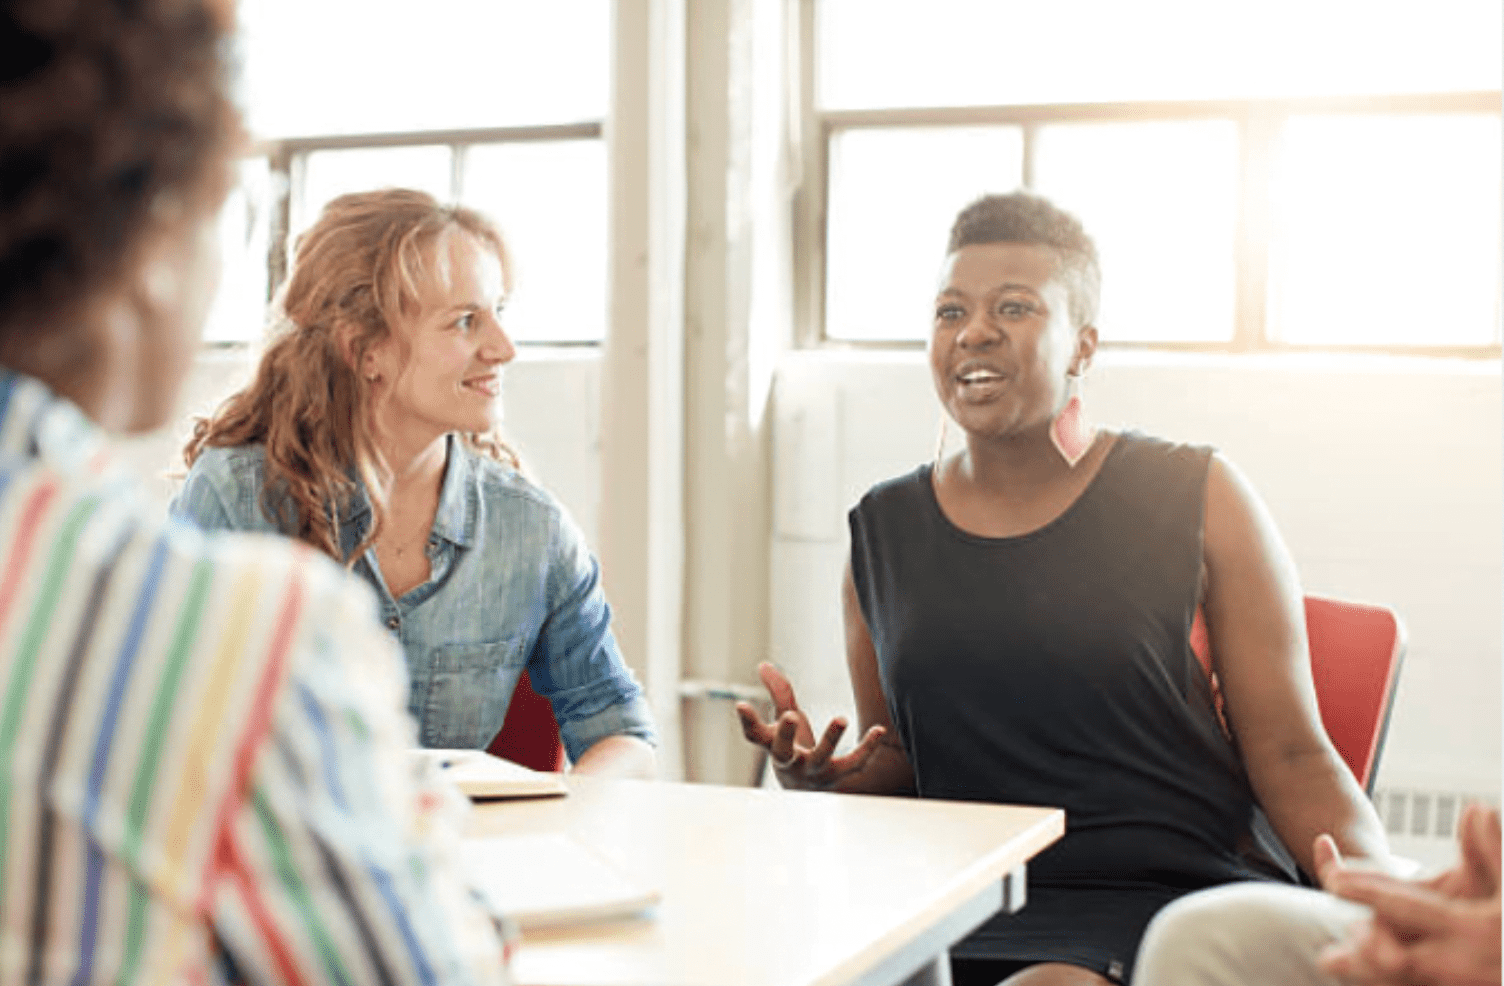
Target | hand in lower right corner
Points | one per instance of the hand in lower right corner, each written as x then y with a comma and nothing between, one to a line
1415,937
1444,931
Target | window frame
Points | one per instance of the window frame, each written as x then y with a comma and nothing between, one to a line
285,159
1259,122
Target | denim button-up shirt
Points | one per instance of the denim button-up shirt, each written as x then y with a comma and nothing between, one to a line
512,586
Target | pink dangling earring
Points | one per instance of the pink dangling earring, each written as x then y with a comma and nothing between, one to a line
1071,432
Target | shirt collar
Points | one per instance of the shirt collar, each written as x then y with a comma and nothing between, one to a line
37,423
454,520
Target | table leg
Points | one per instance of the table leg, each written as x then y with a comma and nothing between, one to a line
925,961
1015,889
937,971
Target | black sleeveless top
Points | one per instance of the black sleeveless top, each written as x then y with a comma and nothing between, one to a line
1055,668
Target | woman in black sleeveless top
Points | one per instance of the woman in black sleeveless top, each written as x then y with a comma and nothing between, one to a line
1018,621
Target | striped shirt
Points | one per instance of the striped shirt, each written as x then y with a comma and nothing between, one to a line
204,767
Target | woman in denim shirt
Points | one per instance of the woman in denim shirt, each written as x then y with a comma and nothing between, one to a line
381,376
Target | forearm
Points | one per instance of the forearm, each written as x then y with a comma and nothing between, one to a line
1310,792
618,756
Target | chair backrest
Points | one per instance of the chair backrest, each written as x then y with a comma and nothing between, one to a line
529,735
1356,653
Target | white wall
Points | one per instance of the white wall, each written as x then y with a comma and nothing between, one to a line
1384,475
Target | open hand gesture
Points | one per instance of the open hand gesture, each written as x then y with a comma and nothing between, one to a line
798,760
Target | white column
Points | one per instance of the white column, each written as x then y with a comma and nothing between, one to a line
642,382
726,497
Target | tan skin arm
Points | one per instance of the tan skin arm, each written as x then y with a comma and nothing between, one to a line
888,770
1255,617
618,756
877,765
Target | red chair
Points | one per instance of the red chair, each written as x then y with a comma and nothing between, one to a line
529,734
1356,653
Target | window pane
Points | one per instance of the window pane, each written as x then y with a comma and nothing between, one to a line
894,193
1160,200
238,313
549,198
1386,231
328,174
984,52
379,66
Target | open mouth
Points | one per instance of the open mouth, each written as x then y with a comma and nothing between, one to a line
488,386
979,381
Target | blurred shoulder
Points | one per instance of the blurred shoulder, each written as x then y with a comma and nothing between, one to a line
305,582
101,530
300,624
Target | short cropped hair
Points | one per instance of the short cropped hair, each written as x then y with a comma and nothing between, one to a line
115,121
1023,217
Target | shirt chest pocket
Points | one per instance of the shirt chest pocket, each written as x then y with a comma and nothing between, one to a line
469,688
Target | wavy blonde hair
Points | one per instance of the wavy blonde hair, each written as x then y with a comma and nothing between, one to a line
357,270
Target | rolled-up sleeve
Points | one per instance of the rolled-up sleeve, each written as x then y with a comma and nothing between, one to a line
576,663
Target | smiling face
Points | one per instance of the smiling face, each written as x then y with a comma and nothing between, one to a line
1002,342
440,370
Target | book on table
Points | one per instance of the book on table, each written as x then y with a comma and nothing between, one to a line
552,879
482,777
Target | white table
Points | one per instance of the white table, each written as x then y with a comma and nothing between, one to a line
777,888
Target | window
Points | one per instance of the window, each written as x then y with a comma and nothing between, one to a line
243,245
1160,200
1249,185
497,104
880,284
1387,227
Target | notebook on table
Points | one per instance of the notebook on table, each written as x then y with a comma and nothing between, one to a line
552,879
481,776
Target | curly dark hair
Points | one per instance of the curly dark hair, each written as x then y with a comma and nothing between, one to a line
1023,217
115,121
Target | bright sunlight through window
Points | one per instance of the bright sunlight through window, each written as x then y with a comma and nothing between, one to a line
340,99
1257,176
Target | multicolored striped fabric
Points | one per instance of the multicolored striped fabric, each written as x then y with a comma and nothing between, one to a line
204,769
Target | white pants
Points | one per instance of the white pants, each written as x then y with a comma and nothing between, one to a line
1244,934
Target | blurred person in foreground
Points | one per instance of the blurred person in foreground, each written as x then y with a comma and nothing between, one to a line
1370,928
204,773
